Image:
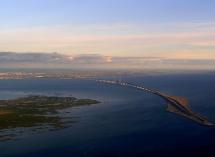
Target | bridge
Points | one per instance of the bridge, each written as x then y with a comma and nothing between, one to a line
176,104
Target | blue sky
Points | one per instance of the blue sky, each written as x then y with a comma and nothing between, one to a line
65,12
101,26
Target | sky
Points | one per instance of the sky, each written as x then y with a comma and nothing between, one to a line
170,29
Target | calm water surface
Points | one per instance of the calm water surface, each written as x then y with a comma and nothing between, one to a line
128,122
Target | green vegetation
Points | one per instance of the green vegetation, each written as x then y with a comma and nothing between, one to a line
34,111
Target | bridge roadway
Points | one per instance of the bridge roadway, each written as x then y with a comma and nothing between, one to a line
178,105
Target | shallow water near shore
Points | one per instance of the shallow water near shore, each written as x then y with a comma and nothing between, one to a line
127,122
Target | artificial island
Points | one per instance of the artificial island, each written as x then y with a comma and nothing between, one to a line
176,104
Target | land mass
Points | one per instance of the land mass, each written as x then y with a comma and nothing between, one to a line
36,110
176,104
67,74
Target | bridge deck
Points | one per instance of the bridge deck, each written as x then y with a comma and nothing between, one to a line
176,104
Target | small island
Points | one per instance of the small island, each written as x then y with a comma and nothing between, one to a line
36,111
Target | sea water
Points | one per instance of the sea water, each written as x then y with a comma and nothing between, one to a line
127,122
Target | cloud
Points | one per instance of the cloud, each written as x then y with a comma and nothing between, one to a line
57,60
113,39
10,57
91,59
34,58
205,43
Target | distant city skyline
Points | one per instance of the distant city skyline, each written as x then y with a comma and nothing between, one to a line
170,29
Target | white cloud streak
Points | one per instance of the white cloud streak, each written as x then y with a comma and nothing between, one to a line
170,40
